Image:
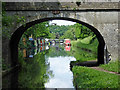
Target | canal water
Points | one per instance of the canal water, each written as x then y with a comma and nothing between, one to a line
63,77
56,60
46,67
43,67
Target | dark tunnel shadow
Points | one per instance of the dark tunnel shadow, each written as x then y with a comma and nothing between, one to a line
85,63
14,41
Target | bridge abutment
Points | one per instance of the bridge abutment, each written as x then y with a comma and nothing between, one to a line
104,18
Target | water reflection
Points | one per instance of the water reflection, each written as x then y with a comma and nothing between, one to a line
63,77
34,72
67,48
32,52
60,65
46,66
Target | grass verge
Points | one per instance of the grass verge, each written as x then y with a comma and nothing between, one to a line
93,46
82,55
86,40
111,66
85,77
83,51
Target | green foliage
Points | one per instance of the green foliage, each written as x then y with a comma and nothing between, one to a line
85,77
87,40
82,31
34,72
92,46
111,66
84,51
74,8
38,30
21,44
72,32
82,55
21,20
54,52
41,30
6,25
3,8
10,22
58,29
61,30
68,35
53,35
78,30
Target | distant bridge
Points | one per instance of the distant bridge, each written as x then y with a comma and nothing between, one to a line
57,40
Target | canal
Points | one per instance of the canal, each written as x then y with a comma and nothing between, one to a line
46,66
57,64
43,67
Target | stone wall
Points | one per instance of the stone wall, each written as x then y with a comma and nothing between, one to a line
102,16
105,22
60,5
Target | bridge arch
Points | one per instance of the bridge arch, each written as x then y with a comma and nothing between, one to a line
15,38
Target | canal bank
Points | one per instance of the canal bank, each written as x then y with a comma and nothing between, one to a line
89,77
51,68
48,64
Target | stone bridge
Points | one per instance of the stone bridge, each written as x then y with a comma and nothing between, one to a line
101,18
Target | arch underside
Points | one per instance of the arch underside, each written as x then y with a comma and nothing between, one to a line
19,32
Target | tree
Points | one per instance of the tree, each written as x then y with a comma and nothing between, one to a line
38,30
82,31
69,34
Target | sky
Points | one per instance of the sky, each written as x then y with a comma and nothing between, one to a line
62,22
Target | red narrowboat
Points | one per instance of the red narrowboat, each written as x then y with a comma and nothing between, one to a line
67,42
